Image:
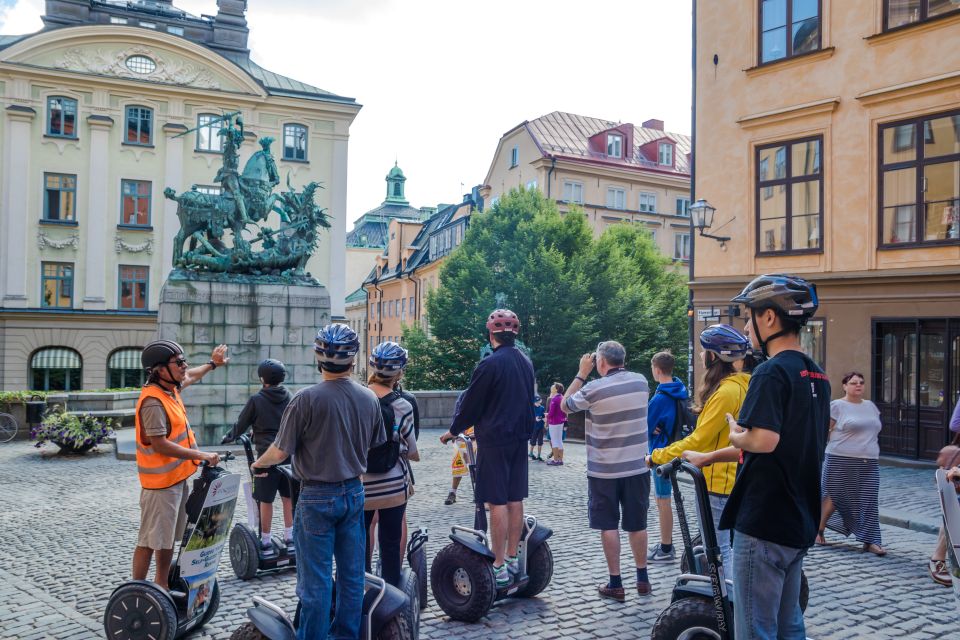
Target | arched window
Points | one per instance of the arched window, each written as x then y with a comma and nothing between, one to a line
124,369
56,369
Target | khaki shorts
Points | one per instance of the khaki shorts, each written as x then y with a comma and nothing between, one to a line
163,516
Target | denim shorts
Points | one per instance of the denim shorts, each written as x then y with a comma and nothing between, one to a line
662,487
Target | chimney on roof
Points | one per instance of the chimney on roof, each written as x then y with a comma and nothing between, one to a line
653,124
230,29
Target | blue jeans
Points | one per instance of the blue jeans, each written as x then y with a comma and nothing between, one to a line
766,590
329,523
717,503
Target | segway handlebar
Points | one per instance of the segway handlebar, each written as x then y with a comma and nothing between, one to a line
468,444
225,456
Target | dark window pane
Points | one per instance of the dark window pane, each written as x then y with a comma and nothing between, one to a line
53,204
773,14
939,7
889,369
806,36
932,369
901,12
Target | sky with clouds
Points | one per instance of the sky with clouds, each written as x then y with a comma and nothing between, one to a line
441,80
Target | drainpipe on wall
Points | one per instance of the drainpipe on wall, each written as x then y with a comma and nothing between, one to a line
691,372
553,165
379,309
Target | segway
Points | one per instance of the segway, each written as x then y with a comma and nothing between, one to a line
413,579
951,528
701,607
462,575
139,609
247,556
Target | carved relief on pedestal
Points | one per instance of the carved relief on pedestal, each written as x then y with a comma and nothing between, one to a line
114,63
70,242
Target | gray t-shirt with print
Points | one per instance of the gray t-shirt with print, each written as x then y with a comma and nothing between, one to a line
329,428
858,427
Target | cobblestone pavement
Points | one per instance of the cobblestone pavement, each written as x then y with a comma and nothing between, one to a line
70,526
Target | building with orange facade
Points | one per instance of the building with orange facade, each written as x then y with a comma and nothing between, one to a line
828,139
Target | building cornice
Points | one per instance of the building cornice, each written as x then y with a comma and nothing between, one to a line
612,171
783,114
933,84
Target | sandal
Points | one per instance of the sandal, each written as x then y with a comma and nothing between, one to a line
820,540
875,549
938,571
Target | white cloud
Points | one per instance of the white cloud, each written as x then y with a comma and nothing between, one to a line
442,80
22,16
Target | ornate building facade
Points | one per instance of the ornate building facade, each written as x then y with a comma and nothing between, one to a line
104,108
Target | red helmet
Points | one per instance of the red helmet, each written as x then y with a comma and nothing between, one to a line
501,320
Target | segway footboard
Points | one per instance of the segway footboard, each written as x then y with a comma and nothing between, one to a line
384,607
473,540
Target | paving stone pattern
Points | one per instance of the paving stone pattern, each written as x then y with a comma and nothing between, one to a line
70,526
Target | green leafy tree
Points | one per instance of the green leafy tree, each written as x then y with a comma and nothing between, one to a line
568,289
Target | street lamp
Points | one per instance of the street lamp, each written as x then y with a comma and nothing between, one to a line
703,212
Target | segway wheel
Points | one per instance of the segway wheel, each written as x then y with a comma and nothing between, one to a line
396,629
688,618
463,583
540,571
248,631
418,562
140,610
410,585
244,552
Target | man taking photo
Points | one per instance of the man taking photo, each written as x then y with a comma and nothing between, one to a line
329,428
497,403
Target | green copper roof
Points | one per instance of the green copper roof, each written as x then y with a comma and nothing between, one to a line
395,186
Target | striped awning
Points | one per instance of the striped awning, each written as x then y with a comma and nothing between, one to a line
125,359
55,358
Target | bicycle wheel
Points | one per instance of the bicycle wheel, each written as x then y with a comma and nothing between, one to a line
8,427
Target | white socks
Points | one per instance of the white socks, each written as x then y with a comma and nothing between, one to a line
288,533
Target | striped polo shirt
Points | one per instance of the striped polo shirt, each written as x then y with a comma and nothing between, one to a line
616,423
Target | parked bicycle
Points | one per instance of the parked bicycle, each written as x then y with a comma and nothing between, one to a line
8,427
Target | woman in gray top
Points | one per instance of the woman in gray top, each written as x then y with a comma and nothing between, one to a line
851,473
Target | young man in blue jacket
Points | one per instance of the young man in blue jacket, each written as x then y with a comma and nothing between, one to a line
661,420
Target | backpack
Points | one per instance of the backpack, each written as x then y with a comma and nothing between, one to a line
384,457
684,422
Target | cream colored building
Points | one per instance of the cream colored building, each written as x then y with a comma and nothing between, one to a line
96,112
836,155
616,172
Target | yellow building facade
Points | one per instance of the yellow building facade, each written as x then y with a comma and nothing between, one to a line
615,172
96,124
828,139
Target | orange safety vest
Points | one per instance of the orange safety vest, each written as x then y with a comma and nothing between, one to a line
158,471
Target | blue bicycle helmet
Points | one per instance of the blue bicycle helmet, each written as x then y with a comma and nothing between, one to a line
726,342
336,346
388,359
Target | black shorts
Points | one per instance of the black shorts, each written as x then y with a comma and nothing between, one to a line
536,438
266,489
502,473
609,496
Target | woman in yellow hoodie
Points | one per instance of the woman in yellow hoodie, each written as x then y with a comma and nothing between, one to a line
722,392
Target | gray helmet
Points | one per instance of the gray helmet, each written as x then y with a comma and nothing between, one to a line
272,371
159,352
791,296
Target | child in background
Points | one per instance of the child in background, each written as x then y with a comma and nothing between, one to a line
536,438
458,468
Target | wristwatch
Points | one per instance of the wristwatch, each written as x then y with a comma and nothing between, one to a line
581,379
213,365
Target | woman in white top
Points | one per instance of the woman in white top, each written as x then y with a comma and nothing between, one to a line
851,472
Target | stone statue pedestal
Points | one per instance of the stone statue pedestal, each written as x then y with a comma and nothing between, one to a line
256,321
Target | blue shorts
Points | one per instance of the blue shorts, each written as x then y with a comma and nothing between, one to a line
662,487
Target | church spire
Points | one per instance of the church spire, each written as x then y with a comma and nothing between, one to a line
395,185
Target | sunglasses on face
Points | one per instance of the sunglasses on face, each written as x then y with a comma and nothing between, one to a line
180,362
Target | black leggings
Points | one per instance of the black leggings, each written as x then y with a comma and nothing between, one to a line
390,538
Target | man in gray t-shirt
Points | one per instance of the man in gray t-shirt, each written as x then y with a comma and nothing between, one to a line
328,429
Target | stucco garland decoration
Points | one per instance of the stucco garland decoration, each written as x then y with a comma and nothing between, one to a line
121,246
43,240
113,63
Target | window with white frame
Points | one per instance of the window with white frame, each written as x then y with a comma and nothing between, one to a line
616,198
683,207
573,192
665,156
681,246
614,145
208,133
647,202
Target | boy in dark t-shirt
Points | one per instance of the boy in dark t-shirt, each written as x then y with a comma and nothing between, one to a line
775,504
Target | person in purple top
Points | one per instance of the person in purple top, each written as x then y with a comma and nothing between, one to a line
497,404
555,421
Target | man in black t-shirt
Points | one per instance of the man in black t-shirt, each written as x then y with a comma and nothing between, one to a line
783,423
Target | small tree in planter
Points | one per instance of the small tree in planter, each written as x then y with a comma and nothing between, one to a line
72,433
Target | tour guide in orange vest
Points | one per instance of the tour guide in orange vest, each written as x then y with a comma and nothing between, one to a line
167,453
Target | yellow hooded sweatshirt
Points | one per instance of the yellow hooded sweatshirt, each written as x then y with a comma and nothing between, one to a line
713,433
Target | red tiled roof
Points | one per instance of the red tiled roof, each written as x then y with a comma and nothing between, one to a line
566,135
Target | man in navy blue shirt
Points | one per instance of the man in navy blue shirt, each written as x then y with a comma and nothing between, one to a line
497,404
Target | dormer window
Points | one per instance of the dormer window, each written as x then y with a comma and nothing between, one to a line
665,155
614,145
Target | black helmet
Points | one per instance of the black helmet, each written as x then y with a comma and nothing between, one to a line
272,371
159,352
336,345
388,359
791,296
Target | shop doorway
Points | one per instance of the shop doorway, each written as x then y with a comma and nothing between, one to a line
916,383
